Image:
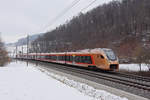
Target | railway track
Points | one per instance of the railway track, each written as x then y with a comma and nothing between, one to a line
120,78
132,77
112,78
136,77
133,81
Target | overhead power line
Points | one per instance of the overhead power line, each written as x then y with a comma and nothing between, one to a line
63,12
75,2
88,5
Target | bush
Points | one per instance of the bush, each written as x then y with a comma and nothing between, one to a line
143,56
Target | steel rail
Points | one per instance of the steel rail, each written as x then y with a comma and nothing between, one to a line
141,78
104,76
109,78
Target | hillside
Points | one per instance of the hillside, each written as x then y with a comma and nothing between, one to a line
23,41
123,26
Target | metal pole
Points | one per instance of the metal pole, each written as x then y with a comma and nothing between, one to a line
22,52
14,53
16,50
27,46
36,47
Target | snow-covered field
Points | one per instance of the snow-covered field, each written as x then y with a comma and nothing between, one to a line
21,82
133,67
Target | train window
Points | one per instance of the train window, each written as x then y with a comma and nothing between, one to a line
102,56
42,57
63,58
38,57
82,59
76,58
49,57
46,57
67,58
54,57
79,59
59,58
88,59
71,58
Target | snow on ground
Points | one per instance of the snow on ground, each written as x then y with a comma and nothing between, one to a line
21,82
88,90
133,67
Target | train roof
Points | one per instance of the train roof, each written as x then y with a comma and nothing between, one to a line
85,51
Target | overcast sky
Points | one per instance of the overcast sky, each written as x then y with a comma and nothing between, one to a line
21,17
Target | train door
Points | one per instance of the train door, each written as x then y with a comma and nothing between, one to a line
73,61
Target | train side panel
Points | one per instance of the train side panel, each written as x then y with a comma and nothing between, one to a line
101,62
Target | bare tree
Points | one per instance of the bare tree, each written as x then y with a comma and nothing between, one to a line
3,54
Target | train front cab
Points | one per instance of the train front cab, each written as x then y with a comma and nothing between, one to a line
106,61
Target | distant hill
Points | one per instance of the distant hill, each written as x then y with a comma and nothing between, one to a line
23,41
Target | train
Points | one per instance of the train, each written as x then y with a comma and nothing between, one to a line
101,58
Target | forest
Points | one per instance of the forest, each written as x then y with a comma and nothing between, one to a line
122,25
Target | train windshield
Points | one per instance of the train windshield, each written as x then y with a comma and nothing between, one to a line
110,55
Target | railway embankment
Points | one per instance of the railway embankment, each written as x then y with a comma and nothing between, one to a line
131,89
96,85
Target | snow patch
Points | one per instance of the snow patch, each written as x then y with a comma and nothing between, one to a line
23,81
133,67
83,88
